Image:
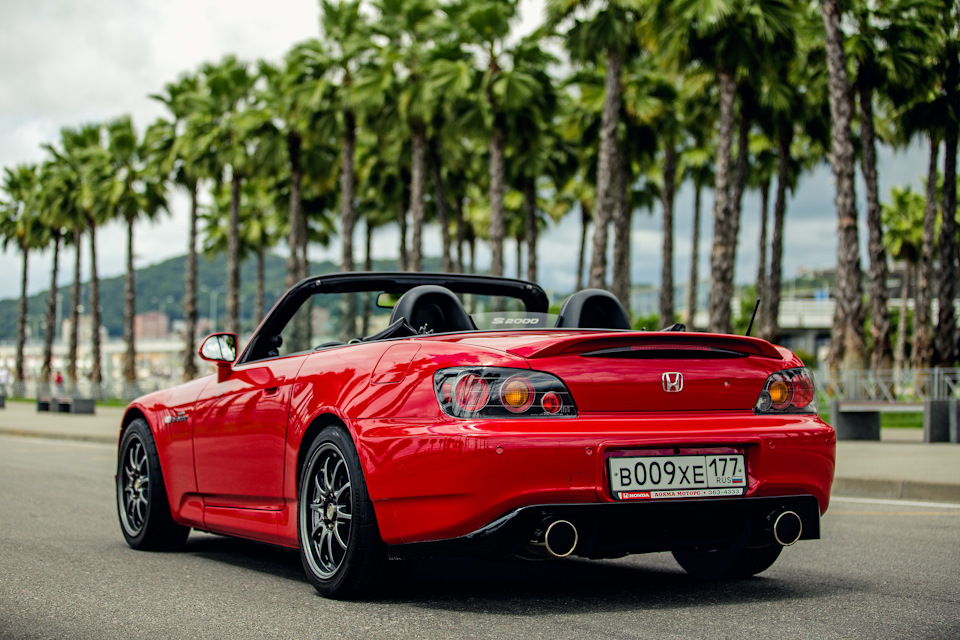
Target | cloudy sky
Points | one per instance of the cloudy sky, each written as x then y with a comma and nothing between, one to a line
66,62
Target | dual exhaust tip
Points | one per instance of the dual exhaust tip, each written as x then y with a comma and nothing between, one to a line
558,538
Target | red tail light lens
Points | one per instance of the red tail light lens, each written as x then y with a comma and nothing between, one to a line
471,392
788,391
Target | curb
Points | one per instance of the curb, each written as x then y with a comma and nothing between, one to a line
25,433
845,487
896,489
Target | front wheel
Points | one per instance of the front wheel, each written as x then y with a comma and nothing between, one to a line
340,544
145,518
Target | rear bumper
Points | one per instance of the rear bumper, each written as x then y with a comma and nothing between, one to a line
609,530
433,481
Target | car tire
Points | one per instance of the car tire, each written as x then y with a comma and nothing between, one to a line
737,561
142,504
340,545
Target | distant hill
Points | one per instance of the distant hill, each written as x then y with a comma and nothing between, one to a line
162,285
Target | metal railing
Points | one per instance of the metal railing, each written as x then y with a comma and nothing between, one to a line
889,385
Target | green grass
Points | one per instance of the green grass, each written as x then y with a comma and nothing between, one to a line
910,420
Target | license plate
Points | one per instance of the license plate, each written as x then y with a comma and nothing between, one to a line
661,477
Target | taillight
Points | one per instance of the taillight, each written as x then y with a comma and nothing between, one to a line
788,391
497,392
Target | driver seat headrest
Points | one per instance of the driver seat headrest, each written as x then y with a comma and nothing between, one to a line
432,309
593,309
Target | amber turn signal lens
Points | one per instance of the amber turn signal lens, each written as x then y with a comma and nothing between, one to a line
516,394
779,393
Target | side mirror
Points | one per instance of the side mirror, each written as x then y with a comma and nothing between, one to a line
220,348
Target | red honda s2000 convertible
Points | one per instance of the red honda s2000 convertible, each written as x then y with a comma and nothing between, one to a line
371,416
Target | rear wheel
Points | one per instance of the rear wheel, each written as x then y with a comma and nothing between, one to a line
738,561
145,518
340,544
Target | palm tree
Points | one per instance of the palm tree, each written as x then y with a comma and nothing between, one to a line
21,226
847,343
611,33
86,169
903,236
54,219
949,56
499,93
172,151
224,121
298,94
726,37
887,45
344,28
136,192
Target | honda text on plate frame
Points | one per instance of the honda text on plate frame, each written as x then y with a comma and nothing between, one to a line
375,416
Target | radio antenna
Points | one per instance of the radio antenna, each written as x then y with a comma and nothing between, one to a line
753,317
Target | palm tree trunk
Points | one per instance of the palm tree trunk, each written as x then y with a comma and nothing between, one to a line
404,259
622,224
530,211
19,381
775,283
603,208
74,315
367,266
96,375
294,144
880,355
519,240
190,294
497,189
417,186
258,300
762,259
922,321
585,217
900,354
946,340
666,198
233,256
440,200
721,255
461,232
694,259
847,343
348,188
129,309
51,320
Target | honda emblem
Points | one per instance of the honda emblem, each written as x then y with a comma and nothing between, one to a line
672,381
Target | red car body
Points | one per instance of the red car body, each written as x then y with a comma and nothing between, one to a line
231,446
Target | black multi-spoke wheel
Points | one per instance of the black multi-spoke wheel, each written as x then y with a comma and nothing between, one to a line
339,541
145,518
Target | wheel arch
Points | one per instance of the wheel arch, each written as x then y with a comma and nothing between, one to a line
133,413
318,424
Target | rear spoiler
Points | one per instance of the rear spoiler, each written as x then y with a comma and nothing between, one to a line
594,343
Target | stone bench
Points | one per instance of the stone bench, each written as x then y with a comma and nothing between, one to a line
860,419
62,404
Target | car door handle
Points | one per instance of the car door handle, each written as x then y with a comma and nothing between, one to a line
271,391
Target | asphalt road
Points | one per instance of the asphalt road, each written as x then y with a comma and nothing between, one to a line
882,570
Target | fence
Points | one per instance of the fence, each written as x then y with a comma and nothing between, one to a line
890,385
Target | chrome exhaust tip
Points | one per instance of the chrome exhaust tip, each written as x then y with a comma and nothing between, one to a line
787,527
560,538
